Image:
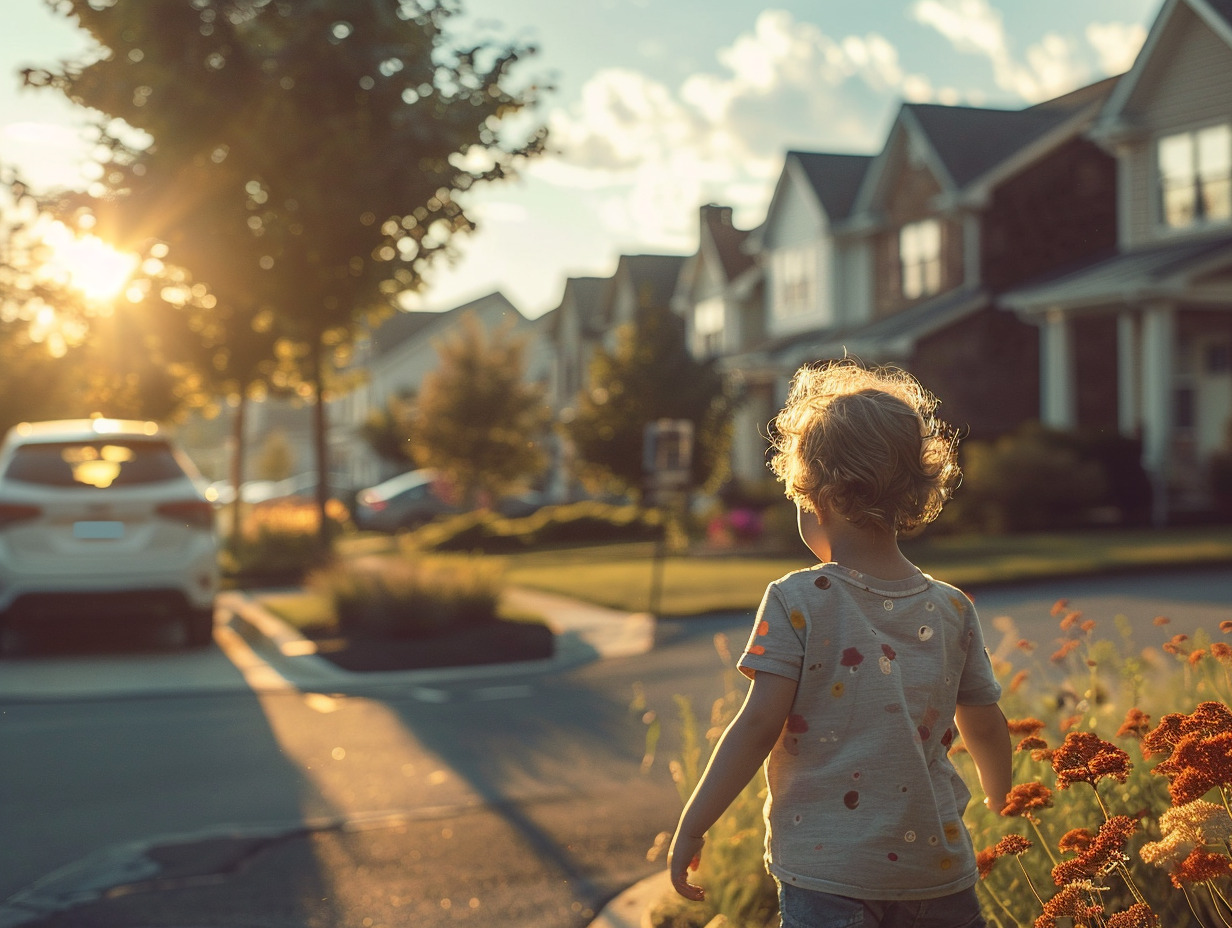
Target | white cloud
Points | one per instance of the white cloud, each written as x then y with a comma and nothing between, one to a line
649,154
1052,67
1116,44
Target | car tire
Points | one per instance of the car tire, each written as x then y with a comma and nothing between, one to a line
199,628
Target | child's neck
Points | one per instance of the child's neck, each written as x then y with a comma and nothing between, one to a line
870,549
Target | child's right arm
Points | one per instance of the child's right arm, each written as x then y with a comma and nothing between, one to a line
987,738
741,750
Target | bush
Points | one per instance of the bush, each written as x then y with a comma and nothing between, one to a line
273,553
402,597
1033,479
589,522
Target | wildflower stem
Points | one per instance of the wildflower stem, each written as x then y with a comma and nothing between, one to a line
1030,885
1189,901
997,899
1100,799
1210,888
1129,882
1215,890
1044,844
1223,796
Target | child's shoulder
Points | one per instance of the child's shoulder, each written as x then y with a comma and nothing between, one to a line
804,577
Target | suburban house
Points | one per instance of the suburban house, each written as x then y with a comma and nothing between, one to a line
400,353
1138,338
897,258
641,282
719,296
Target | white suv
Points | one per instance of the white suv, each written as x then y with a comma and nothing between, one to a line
104,520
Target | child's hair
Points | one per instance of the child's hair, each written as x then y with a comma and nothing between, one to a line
866,442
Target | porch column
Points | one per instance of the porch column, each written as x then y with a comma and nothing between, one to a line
1057,405
1129,354
1158,342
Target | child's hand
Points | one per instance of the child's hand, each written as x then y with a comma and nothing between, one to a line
685,855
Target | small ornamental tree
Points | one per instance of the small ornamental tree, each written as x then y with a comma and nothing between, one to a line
651,375
476,418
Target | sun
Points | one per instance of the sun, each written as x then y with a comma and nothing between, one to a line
87,264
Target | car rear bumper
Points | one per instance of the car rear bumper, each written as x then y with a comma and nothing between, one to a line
35,608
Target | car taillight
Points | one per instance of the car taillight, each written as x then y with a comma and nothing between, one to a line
372,501
12,513
195,513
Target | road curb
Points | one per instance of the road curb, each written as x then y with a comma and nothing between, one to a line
631,908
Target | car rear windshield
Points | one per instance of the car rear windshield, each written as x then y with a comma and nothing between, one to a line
103,463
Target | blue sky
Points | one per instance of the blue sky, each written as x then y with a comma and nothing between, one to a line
663,105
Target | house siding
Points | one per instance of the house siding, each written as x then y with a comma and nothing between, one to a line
1187,83
1058,211
799,226
853,293
910,198
985,368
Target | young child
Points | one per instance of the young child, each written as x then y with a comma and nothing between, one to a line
863,671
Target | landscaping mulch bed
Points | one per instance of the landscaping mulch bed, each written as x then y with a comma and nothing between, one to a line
495,642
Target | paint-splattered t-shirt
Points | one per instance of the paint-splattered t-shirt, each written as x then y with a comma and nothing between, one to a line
864,801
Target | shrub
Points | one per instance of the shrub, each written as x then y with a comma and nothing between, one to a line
408,597
1033,479
589,522
268,552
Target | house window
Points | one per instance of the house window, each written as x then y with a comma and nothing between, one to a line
708,327
795,273
919,252
1195,176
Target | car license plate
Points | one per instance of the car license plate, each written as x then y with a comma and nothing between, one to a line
98,531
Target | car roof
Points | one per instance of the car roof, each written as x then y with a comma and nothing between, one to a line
81,430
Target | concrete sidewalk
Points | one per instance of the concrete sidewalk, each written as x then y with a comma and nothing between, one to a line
583,632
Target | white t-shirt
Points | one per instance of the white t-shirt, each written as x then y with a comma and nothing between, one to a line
864,801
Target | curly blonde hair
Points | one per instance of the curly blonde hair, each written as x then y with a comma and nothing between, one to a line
865,441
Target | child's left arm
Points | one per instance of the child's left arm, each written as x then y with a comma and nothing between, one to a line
740,751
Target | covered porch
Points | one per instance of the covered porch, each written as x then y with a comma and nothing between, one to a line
1141,341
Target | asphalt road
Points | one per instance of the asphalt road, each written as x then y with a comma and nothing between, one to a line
143,787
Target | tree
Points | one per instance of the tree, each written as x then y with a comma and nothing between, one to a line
476,417
651,375
302,160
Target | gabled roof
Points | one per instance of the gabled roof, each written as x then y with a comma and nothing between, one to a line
1215,13
402,327
652,277
588,298
835,179
1124,277
969,140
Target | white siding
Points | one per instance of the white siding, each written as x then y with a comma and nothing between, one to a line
799,229
1187,83
853,281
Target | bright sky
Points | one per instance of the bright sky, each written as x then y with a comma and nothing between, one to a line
663,105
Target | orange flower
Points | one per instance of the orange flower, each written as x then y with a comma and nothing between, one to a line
1026,798
1162,620
1072,902
1023,727
1060,606
985,860
1221,652
1070,620
1084,757
1088,626
1012,844
1138,915
1031,743
1137,723
1024,645
1105,850
1067,648
1174,646
1076,840
1225,626
1070,721
1195,657
1201,866
1019,679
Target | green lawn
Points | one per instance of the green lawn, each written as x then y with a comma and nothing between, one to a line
620,576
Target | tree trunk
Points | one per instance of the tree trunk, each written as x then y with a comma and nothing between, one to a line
237,471
320,443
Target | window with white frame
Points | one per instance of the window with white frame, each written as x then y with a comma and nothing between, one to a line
1195,176
795,272
919,253
708,325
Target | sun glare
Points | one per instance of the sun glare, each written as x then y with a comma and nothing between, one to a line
87,264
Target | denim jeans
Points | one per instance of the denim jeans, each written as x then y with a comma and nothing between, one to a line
806,908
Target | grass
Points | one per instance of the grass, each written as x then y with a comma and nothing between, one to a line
620,576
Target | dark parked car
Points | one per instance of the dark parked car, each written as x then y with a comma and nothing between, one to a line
404,502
